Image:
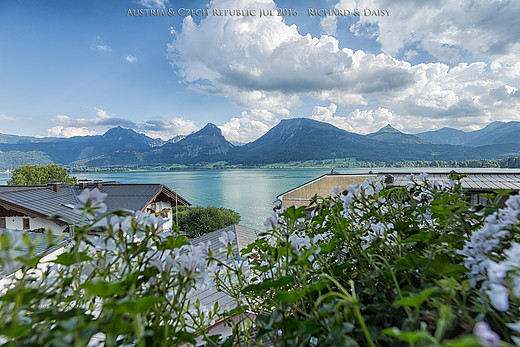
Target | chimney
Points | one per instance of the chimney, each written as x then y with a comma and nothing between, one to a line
389,179
56,185
82,184
98,184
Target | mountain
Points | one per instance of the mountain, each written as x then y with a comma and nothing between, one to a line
65,150
447,136
206,145
297,139
391,134
493,133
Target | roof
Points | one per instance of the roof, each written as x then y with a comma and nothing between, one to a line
488,181
244,236
43,201
321,178
42,248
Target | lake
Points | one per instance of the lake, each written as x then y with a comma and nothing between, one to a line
250,192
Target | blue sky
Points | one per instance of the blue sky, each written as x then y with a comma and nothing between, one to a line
81,67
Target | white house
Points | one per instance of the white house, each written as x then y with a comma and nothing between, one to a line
50,207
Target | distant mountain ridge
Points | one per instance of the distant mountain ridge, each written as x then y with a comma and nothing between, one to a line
296,139
492,134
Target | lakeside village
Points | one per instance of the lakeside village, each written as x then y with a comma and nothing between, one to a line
346,260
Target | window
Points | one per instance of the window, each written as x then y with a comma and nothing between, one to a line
2,222
26,223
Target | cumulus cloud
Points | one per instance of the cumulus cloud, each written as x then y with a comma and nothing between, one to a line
60,131
250,126
130,58
168,128
154,3
262,63
265,65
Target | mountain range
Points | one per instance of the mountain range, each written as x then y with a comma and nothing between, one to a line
296,139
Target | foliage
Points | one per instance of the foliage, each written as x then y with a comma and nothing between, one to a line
198,220
34,174
411,266
132,285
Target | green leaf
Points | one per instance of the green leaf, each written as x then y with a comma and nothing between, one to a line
420,237
105,289
417,299
270,284
134,306
183,336
464,341
13,329
408,336
441,265
72,258
289,297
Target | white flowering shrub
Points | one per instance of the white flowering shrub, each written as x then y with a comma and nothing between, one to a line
414,266
411,266
122,281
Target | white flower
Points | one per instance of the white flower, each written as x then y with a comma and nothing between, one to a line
335,192
95,197
423,177
514,326
299,242
499,296
227,237
487,336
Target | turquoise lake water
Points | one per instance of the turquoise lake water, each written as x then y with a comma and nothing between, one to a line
250,192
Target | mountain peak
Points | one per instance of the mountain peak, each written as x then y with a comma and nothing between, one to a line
389,130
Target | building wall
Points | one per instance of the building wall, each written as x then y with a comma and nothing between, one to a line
161,205
322,187
16,223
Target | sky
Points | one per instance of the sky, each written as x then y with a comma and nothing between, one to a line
71,68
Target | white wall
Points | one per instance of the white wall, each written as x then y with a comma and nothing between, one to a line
159,206
16,223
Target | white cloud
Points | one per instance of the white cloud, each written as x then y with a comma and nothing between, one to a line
154,3
4,117
168,128
103,48
103,119
130,58
265,64
249,127
326,114
60,131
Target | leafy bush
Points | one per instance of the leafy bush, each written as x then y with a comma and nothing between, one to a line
133,285
34,174
196,221
412,266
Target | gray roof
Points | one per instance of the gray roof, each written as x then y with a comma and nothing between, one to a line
490,181
43,201
42,247
209,296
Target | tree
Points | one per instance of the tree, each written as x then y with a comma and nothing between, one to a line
34,174
196,221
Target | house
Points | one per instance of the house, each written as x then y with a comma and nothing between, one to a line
33,207
321,186
475,184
